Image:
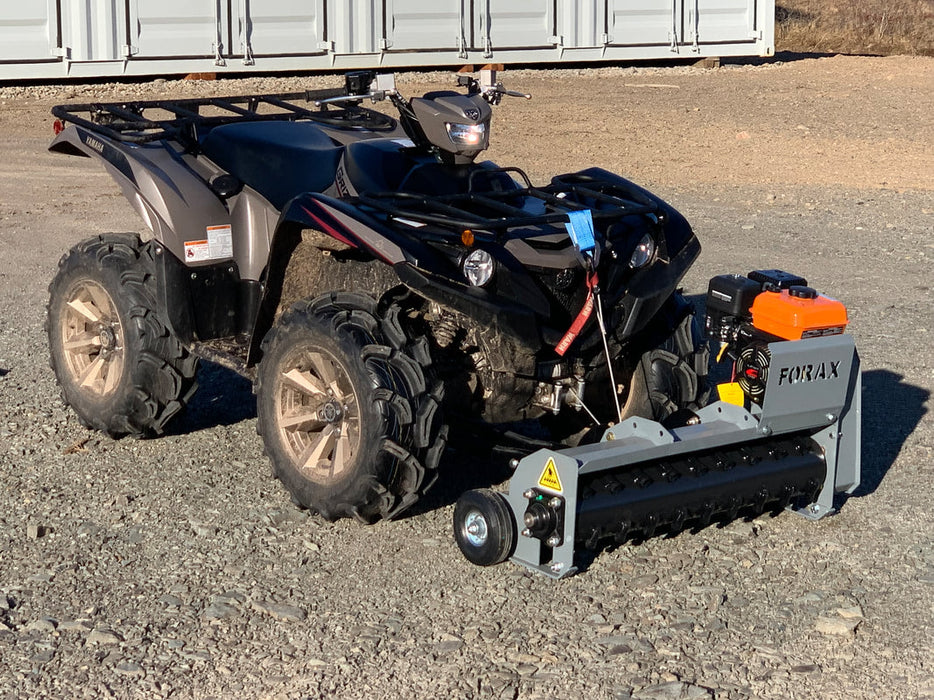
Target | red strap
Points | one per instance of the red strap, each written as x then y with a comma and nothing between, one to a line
582,316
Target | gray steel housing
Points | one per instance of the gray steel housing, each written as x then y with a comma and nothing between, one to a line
829,410
49,39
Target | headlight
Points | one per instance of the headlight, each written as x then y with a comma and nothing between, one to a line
465,134
643,253
478,267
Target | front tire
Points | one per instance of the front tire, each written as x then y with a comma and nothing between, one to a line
670,379
348,418
119,366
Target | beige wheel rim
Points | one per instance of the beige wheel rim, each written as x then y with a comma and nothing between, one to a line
92,339
318,416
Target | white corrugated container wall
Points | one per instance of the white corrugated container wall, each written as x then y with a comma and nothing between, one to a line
47,39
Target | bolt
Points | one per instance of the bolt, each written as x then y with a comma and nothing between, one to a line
194,275
765,429
830,417
526,532
814,508
158,250
473,528
553,541
610,436
514,464
230,270
555,502
529,493
557,566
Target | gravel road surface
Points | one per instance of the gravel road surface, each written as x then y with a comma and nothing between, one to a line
177,567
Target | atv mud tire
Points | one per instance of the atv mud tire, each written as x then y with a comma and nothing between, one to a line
118,365
671,378
349,421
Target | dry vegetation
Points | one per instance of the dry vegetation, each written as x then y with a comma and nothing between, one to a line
881,27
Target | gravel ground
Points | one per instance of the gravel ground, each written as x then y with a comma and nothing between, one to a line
176,567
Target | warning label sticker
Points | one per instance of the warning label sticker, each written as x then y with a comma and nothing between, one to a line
549,478
731,392
217,245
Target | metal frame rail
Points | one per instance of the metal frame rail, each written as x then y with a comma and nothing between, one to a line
128,122
605,199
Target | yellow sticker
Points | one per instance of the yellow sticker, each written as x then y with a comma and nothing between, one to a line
731,392
549,478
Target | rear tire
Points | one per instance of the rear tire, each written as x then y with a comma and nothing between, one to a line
484,527
348,419
119,366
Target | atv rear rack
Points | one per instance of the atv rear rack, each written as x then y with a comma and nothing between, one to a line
181,120
495,211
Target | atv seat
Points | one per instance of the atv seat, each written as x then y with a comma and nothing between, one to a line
280,160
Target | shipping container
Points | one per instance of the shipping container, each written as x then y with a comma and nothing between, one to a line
49,39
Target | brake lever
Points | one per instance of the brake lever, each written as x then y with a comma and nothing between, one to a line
513,93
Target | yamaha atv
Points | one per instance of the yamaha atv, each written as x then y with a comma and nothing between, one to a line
377,283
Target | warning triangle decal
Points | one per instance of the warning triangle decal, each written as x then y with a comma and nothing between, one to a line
549,478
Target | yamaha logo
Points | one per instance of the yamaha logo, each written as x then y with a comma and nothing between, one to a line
472,113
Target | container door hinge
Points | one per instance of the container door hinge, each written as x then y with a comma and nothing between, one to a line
218,49
127,50
557,40
385,44
606,39
61,51
326,45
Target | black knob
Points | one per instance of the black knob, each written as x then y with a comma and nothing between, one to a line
801,292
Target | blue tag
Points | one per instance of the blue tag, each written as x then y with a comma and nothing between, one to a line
580,229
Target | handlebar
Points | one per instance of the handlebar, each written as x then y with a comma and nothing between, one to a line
362,85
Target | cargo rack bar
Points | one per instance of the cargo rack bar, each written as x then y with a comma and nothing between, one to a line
127,121
566,193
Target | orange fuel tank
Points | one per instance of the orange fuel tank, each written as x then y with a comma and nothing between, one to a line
798,312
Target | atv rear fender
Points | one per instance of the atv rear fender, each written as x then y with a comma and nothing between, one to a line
202,299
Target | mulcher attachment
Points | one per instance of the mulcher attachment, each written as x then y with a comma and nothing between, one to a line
789,437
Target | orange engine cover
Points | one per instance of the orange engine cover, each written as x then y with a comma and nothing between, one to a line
792,318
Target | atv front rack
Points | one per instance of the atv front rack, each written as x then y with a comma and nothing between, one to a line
183,120
489,213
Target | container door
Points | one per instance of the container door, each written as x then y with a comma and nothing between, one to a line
646,22
94,30
581,23
28,31
415,24
279,27
164,28
716,21
513,24
355,26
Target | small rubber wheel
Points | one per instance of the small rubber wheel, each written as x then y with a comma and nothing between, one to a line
484,527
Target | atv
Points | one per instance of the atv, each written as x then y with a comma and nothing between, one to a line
378,283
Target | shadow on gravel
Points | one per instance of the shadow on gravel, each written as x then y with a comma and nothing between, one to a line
223,398
778,58
4,372
892,410
462,468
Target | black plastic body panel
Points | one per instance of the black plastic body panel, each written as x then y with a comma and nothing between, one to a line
206,302
731,295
